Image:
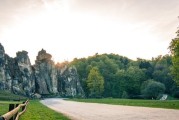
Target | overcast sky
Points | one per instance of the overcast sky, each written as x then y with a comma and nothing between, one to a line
80,28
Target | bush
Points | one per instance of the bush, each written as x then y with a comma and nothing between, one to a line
152,89
176,94
125,95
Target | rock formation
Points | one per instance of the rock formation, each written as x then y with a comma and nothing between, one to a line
69,83
2,68
23,77
45,74
44,78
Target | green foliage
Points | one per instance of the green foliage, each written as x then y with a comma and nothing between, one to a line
124,75
125,95
95,83
152,89
135,77
162,72
7,95
108,65
129,81
146,66
176,94
174,48
170,104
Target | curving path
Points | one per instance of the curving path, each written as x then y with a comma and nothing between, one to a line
94,111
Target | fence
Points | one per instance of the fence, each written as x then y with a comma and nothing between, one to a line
14,113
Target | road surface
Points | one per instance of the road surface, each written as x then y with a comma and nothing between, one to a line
94,111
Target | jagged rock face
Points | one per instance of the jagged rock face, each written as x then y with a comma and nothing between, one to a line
9,68
20,77
23,80
2,68
45,73
2,54
16,74
69,84
5,73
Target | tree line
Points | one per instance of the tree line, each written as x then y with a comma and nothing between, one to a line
111,75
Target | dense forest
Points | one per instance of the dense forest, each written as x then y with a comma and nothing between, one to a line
126,78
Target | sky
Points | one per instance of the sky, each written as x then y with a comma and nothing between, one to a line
69,29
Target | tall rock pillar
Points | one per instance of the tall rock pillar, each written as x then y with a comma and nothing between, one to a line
45,73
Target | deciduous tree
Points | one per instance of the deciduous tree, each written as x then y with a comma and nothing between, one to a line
95,83
152,89
174,48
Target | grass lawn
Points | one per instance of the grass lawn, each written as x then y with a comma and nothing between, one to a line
35,111
169,104
7,96
4,106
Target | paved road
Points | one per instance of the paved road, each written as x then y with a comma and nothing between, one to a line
94,111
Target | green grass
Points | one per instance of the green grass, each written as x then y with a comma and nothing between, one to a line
8,96
4,106
35,111
169,104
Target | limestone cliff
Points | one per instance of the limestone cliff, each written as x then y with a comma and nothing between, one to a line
23,77
2,69
69,83
44,77
45,74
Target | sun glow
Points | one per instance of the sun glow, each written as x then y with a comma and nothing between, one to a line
67,34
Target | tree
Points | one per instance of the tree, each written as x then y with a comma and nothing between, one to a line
174,48
124,77
146,65
134,79
162,72
152,89
95,83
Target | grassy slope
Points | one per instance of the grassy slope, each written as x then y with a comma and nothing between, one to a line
170,104
6,98
3,107
35,111
6,95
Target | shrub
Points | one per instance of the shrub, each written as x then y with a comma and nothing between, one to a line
152,89
176,94
125,95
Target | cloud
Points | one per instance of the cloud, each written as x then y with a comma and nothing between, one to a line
161,15
12,10
135,28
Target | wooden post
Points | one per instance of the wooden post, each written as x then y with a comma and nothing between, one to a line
14,113
11,107
14,117
23,107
